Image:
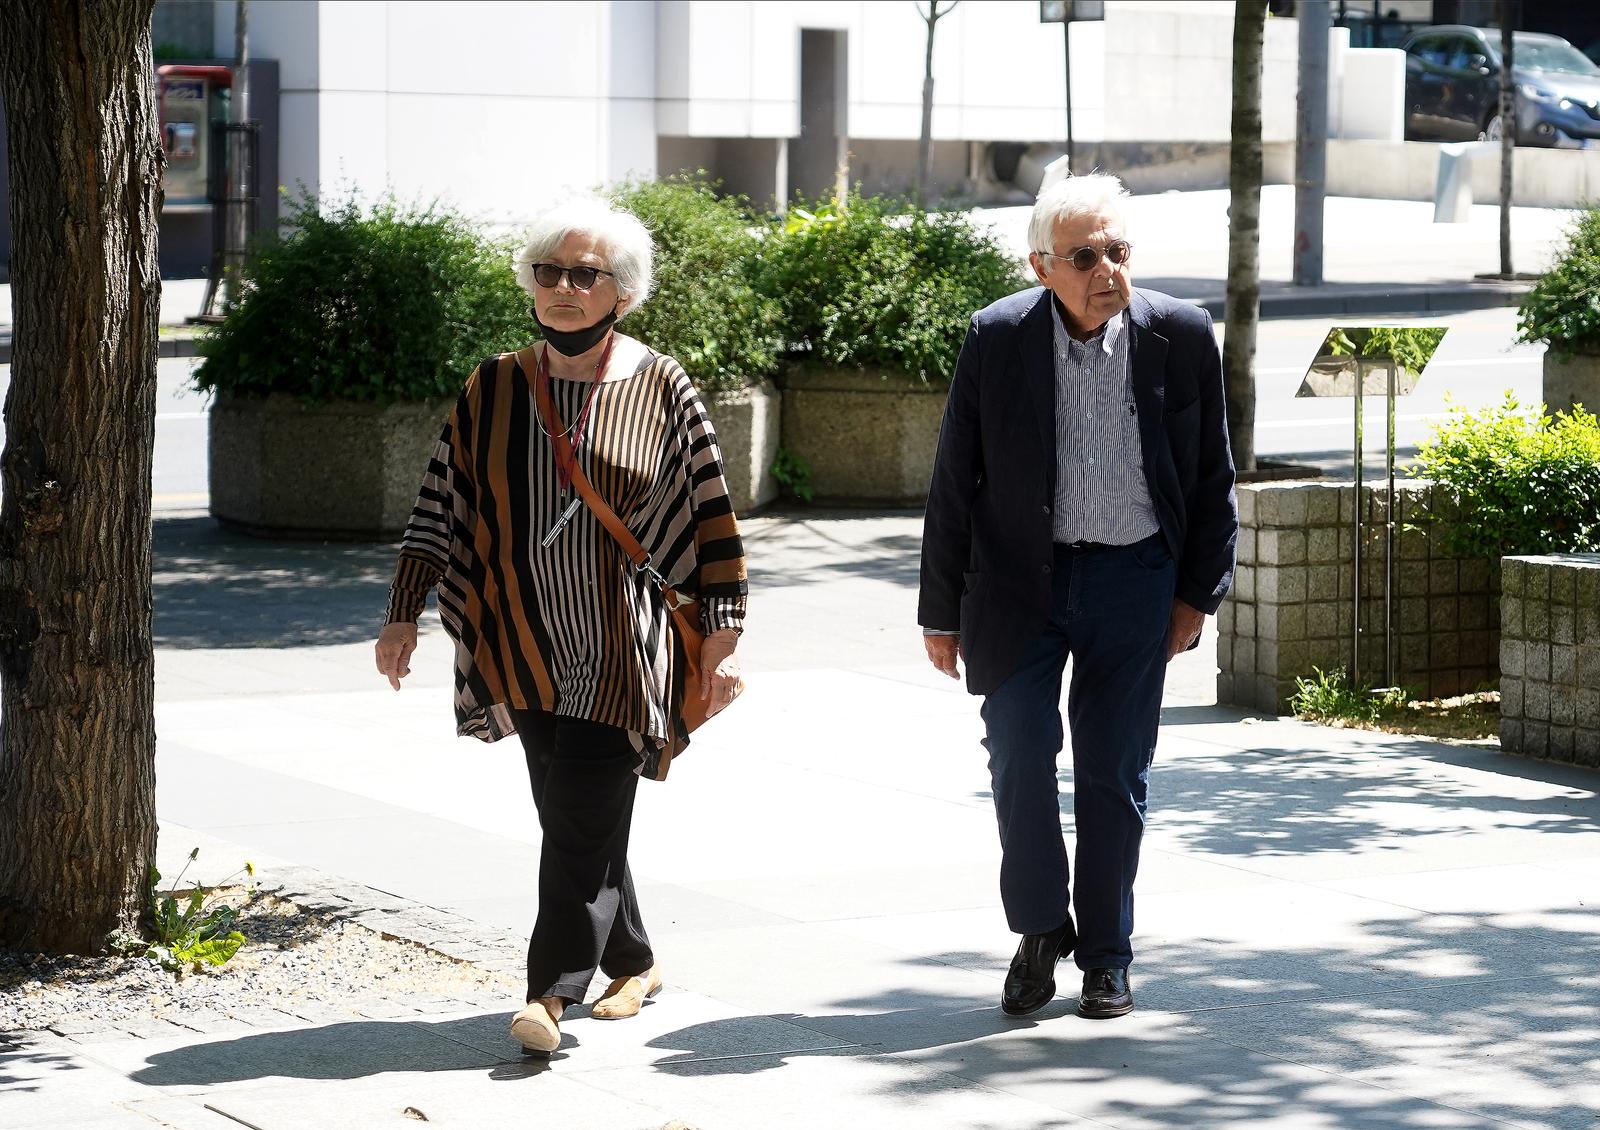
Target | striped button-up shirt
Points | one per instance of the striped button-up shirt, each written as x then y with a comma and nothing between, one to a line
1101,495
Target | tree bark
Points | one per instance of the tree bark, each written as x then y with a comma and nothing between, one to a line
1243,308
77,731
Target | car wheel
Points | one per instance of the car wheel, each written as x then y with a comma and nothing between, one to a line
1491,130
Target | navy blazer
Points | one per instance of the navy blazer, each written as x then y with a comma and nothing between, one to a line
987,541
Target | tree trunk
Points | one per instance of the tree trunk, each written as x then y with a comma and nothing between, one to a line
925,142
77,732
1243,308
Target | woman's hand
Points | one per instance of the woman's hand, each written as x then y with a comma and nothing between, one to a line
719,669
395,644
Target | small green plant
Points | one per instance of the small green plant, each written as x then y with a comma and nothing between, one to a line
389,303
190,929
793,474
1563,308
1328,697
877,281
707,310
1518,481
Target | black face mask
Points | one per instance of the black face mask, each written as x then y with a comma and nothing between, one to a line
571,343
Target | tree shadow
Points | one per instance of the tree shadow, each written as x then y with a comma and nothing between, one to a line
1420,1020
1271,801
215,588
830,544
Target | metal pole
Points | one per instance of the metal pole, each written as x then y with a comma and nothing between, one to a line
1388,542
1311,143
1066,38
239,170
1508,131
1355,548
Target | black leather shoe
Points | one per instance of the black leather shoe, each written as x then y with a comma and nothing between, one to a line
1031,982
1105,994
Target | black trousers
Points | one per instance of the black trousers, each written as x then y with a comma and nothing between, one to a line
583,786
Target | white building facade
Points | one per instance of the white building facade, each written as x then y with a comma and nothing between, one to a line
499,105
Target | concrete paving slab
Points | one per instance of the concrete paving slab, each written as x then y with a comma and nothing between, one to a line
1156,1070
347,1050
49,1081
509,1094
809,1091
1521,1050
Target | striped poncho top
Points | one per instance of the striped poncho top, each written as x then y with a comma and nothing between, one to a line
571,628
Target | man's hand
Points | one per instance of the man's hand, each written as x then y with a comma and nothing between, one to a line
719,669
1183,628
395,644
942,653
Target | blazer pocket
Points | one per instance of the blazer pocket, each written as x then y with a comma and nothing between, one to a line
1184,410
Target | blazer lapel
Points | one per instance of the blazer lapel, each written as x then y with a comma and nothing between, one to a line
1036,343
1148,357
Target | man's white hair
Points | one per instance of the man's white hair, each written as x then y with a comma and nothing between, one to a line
1093,194
624,243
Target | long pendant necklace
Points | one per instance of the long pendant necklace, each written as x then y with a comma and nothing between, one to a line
575,430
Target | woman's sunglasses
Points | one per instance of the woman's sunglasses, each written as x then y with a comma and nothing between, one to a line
1118,251
582,278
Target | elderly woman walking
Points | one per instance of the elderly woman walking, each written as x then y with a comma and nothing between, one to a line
560,637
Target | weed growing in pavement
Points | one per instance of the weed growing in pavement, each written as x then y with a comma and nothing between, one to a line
191,929
1327,696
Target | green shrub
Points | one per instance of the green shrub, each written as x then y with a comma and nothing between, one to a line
706,310
1519,481
875,281
392,302
1563,308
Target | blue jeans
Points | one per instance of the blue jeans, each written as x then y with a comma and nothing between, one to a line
1109,611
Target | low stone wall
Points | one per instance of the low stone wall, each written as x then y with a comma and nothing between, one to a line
867,435
1550,657
1290,607
282,468
747,423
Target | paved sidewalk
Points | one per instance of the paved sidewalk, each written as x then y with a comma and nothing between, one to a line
1336,929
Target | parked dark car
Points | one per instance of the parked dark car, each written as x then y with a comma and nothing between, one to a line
1453,87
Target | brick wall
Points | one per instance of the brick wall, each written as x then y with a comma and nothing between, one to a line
1290,608
1550,657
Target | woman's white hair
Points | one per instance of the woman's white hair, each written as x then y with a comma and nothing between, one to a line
1093,194
625,243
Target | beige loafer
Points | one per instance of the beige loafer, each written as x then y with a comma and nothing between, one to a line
535,1027
626,995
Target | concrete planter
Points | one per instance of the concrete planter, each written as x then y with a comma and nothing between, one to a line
868,435
747,423
1573,381
282,468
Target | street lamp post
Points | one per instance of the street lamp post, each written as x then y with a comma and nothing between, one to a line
1065,13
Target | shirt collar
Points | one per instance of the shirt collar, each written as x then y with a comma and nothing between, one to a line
1105,340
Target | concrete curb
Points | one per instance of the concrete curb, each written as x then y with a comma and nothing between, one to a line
1364,302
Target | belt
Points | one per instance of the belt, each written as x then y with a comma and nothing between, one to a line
1097,546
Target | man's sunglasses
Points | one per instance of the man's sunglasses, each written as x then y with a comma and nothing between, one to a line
549,274
1118,251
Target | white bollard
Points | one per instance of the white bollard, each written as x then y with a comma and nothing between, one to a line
1452,192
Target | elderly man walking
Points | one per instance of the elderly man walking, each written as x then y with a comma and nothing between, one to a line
1081,505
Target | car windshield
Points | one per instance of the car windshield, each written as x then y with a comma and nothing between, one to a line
1552,55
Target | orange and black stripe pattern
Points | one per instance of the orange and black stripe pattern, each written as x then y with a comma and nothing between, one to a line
571,627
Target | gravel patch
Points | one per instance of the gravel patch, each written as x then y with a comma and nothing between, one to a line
298,964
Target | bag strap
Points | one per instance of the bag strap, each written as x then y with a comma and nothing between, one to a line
555,429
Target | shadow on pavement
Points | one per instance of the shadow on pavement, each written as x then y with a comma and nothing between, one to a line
1293,802
216,589
1411,1013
